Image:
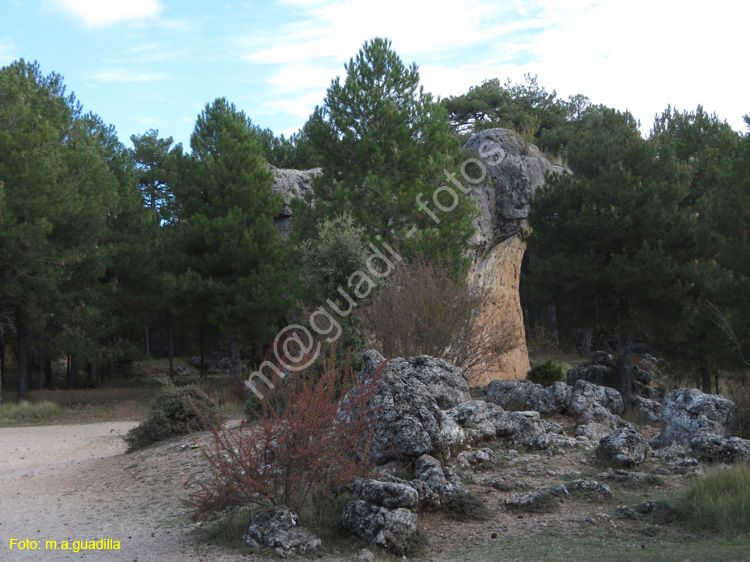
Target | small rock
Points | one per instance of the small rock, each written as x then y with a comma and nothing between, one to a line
365,555
624,447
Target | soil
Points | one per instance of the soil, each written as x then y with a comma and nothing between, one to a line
75,483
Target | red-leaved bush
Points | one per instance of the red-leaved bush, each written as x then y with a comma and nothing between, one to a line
319,440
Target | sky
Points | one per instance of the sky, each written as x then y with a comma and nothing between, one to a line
155,64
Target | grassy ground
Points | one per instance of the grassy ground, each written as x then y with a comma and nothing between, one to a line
127,396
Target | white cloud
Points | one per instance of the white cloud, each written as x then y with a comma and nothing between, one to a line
6,52
642,55
125,75
339,29
98,12
302,76
301,106
638,55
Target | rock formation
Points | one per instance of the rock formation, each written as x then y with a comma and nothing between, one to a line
292,184
513,169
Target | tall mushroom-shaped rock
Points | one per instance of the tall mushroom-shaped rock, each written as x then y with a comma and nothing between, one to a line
513,170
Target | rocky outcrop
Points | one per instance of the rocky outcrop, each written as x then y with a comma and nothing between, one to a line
600,370
391,529
688,413
525,395
623,448
714,448
587,402
279,529
513,170
291,184
407,418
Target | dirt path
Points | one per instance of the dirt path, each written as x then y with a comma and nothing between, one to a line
73,483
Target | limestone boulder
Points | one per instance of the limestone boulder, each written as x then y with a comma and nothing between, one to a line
623,448
513,170
392,529
279,529
407,419
688,413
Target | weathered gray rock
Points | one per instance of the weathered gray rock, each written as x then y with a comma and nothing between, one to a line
365,556
658,512
603,358
279,529
481,458
648,392
592,487
514,170
586,394
532,501
715,448
291,184
507,484
441,480
688,413
650,408
388,494
641,376
524,429
408,421
591,373
592,431
392,529
483,420
624,447
525,395
444,382
475,418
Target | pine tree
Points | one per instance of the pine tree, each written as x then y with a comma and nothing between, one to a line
384,145
614,239
706,147
230,264
58,184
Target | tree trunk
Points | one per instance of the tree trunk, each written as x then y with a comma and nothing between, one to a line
2,364
554,335
48,373
171,349
21,356
624,337
705,377
148,343
32,365
91,371
73,372
202,345
716,380
236,366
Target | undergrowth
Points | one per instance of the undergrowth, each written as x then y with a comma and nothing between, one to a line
720,502
301,456
28,411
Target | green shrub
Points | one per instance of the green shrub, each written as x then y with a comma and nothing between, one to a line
546,373
720,502
27,411
467,506
177,410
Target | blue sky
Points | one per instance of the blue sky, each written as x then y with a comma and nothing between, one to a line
143,64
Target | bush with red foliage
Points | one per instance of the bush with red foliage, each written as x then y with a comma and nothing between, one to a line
319,441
